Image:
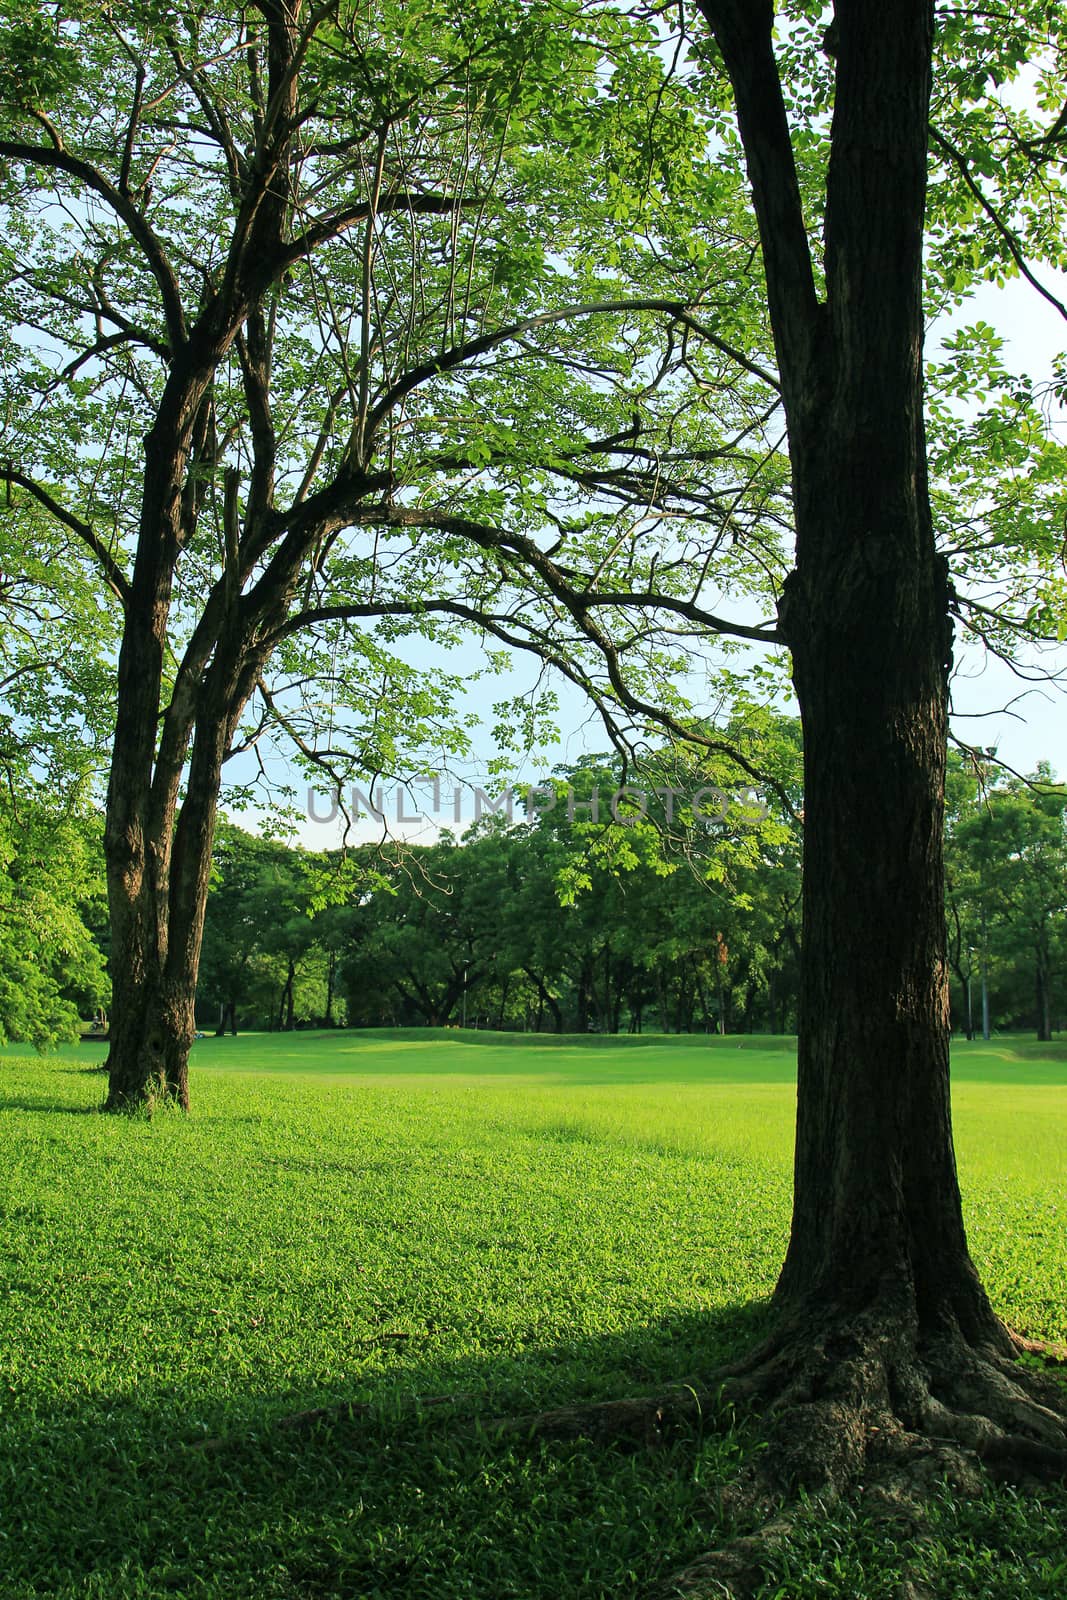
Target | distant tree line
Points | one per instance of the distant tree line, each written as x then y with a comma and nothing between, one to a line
559,923
555,922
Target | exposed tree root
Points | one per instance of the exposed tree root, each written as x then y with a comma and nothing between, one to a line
329,1417
1054,1355
861,1406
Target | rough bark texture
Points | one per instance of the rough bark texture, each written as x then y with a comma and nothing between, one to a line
158,897
152,1021
159,865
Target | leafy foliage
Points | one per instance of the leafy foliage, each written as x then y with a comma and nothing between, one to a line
51,885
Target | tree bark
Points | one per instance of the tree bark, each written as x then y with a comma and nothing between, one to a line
227,1016
286,1019
157,922
331,978
158,853
152,1023
877,1221
545,998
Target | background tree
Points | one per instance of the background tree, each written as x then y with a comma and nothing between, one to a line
279,919
576,918
965,900
51,893
55,704
1008,884
426,947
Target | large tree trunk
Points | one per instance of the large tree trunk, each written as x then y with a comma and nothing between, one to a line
885,1344
877,1217
151,1034
157,923
877,1221
152,1018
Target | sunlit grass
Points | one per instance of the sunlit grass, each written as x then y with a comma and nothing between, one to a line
511,1222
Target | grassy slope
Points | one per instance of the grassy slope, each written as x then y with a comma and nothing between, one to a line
512,1221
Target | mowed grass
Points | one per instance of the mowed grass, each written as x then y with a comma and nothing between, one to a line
500,1224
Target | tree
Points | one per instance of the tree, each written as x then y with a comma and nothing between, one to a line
54,709
653,901
577,918
278,920
886,1349
294,253
878,1270
428,942
965,901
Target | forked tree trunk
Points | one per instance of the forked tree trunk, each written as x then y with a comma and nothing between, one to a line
157,924
159,852
152,1016
151,1035
158,866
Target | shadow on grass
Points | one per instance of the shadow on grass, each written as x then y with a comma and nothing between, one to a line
45,1104
115,1496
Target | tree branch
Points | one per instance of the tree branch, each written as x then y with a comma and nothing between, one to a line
959,161
744,33
331,227
113,574
136,223
576,601
109,341
470,349
530,641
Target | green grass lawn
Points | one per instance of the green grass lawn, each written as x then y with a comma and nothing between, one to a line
513,1222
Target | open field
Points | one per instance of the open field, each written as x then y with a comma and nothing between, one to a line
510,1222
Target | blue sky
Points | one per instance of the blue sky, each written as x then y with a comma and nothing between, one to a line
1035,728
